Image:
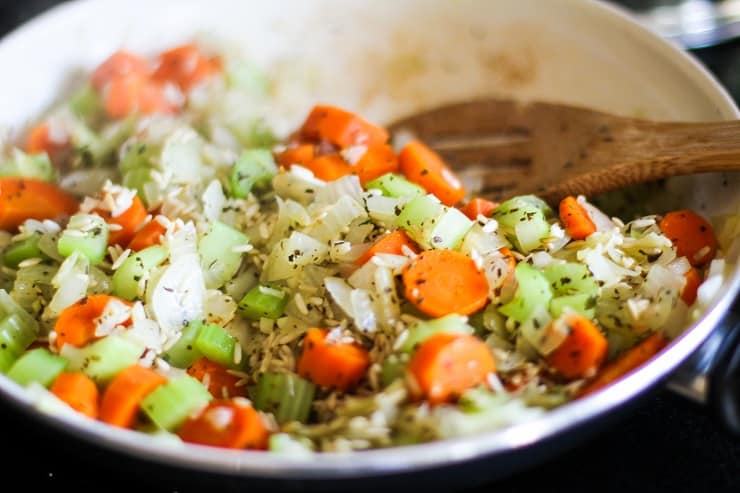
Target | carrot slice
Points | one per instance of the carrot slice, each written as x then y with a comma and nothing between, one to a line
186,66
150,234
28,198
440,282
329,167
478,206
119,64
126,223
302,154
76,324
341,128
78,391
582,352
693,281
229,424
331,363
39,140
630,360
577,223
425,167
691,234
377,161
120,404
132,94
445,365
221,384
390,243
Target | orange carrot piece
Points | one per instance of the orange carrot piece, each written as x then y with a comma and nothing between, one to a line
390,243
377,161
331,363
121,399
150,234
76,324
693,281
120,64
440,282
78,391
229,424
445,365
39,141
630,360
478,206
691,234
28,198
425,167
329,167
575,219
128,221
583,350
341,128
221,383
132,94
302,154
186,66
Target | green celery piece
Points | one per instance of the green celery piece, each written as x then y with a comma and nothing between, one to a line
571,278
254,169
28,165
582,303
450,229
21,250
87,234
533,291
126,278
183,353
392,368
104,358
216,344
424,329
15,337
86,102
7,358
136,155
395,185
286,395
29,325
418,217
246,76
285,444
217,259
169,405
524,220
140,179
263,302
38,365
527,201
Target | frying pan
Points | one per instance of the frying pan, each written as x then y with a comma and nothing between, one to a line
387,59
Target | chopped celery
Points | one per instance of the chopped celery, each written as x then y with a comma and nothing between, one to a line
170,404
183,353
87,234
17,331
216,344
86,103
29,325
217,256
533,291
7,358
286,395
140,179
582,303
540,333
246,76
395,185
181,155
571,278
38,365
524,221
136,155
285,444
104,358
127,276
21,250
254,169
432,224
424,329
28,165
392,368
263,301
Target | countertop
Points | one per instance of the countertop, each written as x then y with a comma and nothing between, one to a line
664,444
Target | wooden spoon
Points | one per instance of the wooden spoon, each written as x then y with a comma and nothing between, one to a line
554,150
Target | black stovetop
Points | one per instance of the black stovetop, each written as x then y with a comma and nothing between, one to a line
665,444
